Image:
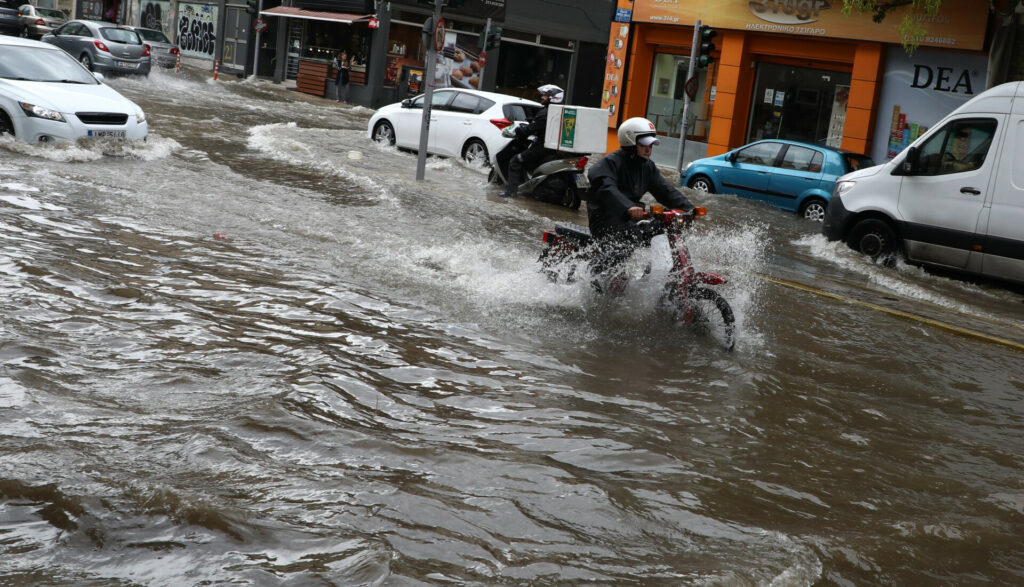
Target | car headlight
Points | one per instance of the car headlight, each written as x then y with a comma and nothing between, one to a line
687,166
140,116
40,112
842,187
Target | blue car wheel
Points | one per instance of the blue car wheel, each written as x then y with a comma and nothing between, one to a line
702,183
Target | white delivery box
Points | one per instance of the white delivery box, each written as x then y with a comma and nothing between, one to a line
576,129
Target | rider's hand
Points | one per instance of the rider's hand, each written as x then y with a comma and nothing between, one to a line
635,213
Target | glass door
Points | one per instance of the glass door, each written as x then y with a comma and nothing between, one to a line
798,104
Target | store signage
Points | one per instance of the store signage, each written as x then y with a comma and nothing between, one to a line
959,24
618,40
919,91
260,26
568,138
623,14
493,9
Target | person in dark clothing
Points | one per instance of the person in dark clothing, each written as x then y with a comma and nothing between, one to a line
617,183
531,157
343,66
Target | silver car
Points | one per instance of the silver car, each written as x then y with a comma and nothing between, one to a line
162,51
36,22
102,46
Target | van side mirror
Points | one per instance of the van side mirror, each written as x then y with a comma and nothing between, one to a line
909,165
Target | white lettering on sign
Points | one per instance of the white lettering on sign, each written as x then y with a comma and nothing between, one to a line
788,11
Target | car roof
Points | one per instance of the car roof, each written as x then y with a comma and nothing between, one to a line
803,144
493,96
7,40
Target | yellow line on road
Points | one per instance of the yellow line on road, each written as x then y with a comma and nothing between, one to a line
899,313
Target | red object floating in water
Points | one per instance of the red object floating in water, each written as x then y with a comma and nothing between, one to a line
220,235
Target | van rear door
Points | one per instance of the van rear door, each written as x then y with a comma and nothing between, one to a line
1004,244
942,199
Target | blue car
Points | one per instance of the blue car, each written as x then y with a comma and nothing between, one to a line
798,177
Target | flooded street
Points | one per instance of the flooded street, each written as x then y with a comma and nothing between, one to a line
254,350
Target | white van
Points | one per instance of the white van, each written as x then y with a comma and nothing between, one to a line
954,198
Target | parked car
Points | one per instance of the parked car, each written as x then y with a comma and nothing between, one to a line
10,20
45,95
798,177
161,49
36,22
463,123
102,46
954,198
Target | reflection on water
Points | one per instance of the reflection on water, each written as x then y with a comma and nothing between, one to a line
237,352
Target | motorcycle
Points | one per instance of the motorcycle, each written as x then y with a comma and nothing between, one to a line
557,179
686,291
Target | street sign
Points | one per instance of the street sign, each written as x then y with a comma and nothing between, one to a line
260,26
691,88
439,33
482,58
373,23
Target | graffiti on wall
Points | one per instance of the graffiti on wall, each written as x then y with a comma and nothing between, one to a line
197,30
156,15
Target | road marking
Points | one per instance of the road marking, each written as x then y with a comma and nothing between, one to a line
901,314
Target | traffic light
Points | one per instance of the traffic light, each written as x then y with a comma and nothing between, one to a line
706,46
251,6
494,38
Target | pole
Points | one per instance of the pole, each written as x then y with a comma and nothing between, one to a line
429,78
256,56
686,97
487,33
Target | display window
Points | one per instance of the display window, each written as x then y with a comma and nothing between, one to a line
799,104
523,68
667,95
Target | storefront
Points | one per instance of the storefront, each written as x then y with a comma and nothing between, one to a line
795,69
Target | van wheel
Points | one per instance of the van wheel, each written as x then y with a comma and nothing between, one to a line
813,209
702,183
876,239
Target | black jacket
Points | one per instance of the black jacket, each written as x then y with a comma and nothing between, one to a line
618,182
537,126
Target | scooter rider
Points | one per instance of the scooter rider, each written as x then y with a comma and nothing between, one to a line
617,183
528,159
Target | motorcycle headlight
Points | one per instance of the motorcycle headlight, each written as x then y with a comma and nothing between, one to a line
40,112
140,116
842,187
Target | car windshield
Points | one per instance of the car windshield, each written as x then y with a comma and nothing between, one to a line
117,35
50,13
40,64
152,36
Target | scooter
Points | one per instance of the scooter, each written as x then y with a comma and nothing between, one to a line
687,292
557,179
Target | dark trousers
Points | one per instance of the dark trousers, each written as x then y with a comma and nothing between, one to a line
520,165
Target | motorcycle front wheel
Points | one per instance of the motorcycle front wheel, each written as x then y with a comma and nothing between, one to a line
708,311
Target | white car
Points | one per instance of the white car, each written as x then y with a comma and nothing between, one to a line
46,95
463,123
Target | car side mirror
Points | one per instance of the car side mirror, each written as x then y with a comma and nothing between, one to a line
407,103
731,157
98,76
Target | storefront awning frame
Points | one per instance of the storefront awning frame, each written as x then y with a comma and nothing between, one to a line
294,12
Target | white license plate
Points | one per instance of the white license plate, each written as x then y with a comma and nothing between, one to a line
581,181
126,65
114,134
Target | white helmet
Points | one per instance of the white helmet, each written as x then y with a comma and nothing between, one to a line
553,92
635,129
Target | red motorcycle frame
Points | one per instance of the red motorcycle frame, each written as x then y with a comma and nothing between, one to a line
687,290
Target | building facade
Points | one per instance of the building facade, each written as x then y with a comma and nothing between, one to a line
790,69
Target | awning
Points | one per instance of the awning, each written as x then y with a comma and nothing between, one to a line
294,12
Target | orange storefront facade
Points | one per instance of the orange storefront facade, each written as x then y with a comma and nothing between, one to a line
795,69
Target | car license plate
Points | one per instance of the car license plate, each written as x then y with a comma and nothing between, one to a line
581,181
126,65
114,134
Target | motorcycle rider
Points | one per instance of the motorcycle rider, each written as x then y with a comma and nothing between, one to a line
617,183
528,159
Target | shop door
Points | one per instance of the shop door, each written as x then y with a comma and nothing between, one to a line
236,38
665,101
797,104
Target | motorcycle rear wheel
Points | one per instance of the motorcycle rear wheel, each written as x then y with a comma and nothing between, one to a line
707,310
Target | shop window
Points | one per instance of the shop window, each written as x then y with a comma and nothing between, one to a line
667,95
798,104
524,68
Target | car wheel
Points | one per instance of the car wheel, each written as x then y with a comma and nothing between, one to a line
874,238
384,133
6,126
702,183
23,33
86,61
475,153
813,209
